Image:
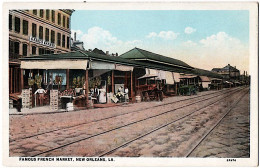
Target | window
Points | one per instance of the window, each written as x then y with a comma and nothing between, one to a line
68,42
25,27
41,51
40,32
17,25
59,39
52,52
34,27
33,50
59,19
11,47
10,22
63,21
35,12
41,13
24,49
47,34
47,14
52,36
68,22
48,51
53,16
16,48
63,41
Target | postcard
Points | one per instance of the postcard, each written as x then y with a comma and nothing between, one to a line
130,84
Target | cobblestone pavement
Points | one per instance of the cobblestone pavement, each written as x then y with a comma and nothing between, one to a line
25,125
96,145
231,138
177,139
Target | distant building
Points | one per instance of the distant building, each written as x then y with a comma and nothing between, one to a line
76,44
36,32
228,72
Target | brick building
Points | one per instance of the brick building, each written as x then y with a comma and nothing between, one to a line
36,32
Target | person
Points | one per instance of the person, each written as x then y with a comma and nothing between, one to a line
41,93
102,95
96,94
126,94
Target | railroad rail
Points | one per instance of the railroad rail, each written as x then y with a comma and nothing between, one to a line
210,130
121,114
122,126
163,126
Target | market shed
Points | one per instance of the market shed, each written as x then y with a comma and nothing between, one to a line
77,73
166,69
209,79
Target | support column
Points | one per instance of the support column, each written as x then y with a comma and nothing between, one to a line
22,82
176,89
132,91
86,87
67,79
112,83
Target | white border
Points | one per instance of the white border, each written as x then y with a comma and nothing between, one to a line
144,161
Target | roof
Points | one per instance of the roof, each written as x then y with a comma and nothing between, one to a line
226,68
98,51
202,72
140,54
105,58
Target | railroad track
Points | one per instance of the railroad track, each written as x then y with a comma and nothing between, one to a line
121,114
212,128
122,126
169,123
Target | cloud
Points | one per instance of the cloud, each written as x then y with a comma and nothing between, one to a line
189,30
189,43
215,51
79,33
97,37
167,35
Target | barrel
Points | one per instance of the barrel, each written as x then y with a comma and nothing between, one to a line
138,99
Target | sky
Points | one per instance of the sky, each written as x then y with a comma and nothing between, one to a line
203,39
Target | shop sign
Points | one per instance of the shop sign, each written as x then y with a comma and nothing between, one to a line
42,42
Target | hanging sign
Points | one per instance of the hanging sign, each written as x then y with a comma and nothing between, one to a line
42,42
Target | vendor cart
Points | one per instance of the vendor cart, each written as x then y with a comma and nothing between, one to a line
188,90
149,88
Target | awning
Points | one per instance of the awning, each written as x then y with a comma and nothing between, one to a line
187,76
176,77
204,79
101,65
54,64
123,67
159,73
205,84
147,76
169,78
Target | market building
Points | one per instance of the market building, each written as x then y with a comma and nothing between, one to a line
35,32
81,79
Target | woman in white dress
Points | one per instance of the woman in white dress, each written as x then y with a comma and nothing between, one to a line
102,95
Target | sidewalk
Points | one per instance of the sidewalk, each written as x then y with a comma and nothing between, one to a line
35,110
47,109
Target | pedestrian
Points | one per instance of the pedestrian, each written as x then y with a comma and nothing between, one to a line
41,93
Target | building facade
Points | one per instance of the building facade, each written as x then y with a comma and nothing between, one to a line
36,32
228,72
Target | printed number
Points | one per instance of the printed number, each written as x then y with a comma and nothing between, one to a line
231,160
